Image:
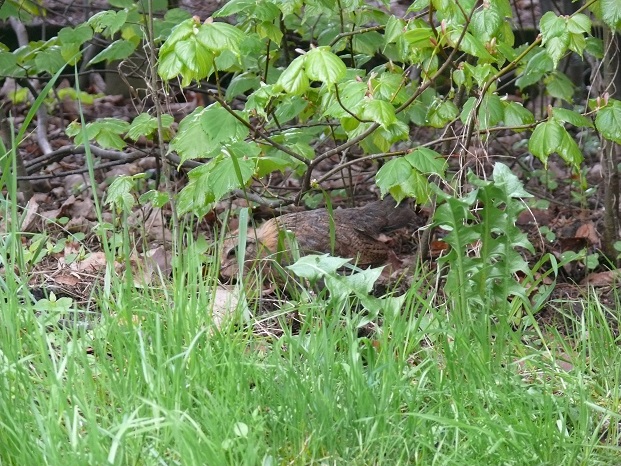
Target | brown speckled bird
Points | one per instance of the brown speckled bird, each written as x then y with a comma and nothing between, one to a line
355,234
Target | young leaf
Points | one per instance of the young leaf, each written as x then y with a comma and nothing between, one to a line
322,65
294,80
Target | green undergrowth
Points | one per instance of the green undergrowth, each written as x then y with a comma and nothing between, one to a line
155,382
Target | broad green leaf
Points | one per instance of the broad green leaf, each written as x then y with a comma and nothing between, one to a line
294,80
487,21
574,118
538,65
608,121
179,33
117,50
491,111
579,24
558,85
546,139
119,193
314,267
241,83
50,60
109,131
224,177
170,66
220,126
394,29
78,35
611,13
517,115
419,38
379,111
441,113
322,65
235,6
508,182
569,151
427,161
219,36
191,141
108,22
146,125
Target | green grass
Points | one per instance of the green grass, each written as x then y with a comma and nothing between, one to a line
156,383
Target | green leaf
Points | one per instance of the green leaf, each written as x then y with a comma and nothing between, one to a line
117,50
491,111
119,193
146,125
220,126
191,141
558,85
506,180
487,21
419,38
579,24
571,117
538,65
219,36
294,80
379,111
427,161
394,29
517,115
322,65
569,151
608,121
398,178
611,13
50,60
441,113
108,22
546,139
314,267
223,176
78,35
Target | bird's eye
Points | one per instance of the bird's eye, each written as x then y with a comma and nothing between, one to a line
231,253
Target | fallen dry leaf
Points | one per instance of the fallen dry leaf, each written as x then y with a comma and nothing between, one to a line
602,278
588,231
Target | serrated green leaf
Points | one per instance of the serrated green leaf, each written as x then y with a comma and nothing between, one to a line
491,111
508,182
569,151
50,60
441,113
119,193
611,13
608,121
536,68
517,115
108,22
220,126
379,111
487,21
117,50
419,38
574,118
77,35
579,24
427,161
322,65
219,36
558,85
294,80
546,139
223,176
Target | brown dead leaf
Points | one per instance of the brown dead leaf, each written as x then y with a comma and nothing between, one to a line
602,278
63,279
588,231
153,262
93,263
31,216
